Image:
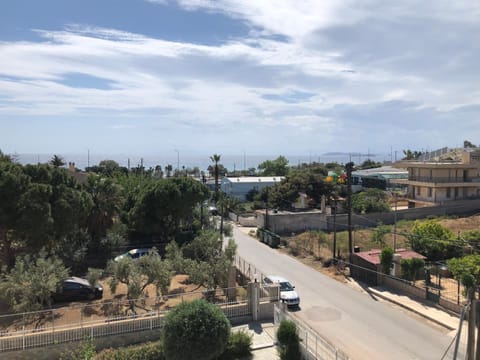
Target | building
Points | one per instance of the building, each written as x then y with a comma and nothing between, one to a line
239,187
380,177
453,176
367,264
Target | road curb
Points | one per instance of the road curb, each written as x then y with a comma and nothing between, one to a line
412,310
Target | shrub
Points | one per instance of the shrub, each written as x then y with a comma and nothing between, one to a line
85,351
386,259
239,345
410,268
195,330
289,341
148,351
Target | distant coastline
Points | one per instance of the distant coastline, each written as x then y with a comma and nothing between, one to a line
231,162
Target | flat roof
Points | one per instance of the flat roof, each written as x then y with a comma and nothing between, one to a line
373,256
254,179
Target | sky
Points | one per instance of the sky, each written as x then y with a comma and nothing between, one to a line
275,77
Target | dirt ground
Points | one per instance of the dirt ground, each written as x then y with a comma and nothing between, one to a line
111,305
362,238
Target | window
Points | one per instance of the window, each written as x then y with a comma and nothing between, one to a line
418,190
448,193
429,192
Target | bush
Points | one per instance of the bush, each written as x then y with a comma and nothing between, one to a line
195,330
386,259
149,351
289,341
239,345
410,268
86,351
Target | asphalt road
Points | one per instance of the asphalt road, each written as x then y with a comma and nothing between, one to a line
356,323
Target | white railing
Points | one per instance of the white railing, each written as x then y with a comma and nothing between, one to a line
100,319
312,345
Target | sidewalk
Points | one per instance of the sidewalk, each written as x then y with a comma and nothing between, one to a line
263,342
424,308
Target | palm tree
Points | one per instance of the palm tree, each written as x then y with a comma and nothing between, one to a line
57,161
107,201
168,170
216,158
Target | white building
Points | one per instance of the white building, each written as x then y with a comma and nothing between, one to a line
239,187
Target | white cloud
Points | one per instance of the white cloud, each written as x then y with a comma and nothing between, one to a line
356,58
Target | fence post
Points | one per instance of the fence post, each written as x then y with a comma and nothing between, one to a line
458,292
23,327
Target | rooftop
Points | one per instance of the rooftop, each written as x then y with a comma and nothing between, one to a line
373,256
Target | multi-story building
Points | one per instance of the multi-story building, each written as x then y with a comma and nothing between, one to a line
454,176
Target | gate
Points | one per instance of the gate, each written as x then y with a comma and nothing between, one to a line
432,286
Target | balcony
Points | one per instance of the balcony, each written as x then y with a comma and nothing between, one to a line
443,180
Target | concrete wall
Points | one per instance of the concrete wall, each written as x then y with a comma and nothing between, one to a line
286,223
244,220
283,222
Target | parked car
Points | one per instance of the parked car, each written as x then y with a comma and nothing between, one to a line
213,210
288,295
76,288
134,254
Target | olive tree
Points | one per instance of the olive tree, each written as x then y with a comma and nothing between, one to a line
32,281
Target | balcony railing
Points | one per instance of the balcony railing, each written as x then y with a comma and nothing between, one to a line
443,179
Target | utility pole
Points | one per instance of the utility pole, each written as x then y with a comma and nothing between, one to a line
471,324
334,230
395,224
349,168
266,210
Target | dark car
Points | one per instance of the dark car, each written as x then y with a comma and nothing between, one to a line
76,288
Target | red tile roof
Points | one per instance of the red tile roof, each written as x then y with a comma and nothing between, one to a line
373,256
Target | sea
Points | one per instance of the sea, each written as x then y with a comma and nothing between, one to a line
180,161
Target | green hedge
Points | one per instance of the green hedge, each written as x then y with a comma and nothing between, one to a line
239,346
148,351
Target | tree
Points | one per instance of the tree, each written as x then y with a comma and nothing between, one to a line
370,164
289,341
277,167
29,285
411,155
369,201
138,274
163,206
386,259
168,170
57,161
410,268
6,157
378,235
468,144
195,330
107,201
13,183
215,158
467,271
434,241
207,263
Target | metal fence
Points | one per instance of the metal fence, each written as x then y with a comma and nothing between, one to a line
312,345
248,270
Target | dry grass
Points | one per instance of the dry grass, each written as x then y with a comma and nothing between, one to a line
314,248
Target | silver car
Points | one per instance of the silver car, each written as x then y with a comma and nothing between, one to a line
288,295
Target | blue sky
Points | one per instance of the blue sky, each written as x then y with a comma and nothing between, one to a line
229,77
